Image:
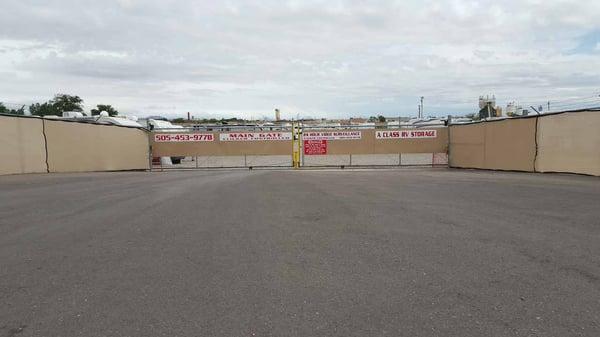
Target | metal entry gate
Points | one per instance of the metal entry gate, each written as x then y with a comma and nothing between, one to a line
191,148
297,146
374,147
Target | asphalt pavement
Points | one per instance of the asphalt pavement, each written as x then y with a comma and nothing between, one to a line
403,252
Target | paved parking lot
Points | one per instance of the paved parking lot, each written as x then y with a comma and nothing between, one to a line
404,252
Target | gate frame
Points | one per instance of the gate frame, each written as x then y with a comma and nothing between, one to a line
297,129
216,130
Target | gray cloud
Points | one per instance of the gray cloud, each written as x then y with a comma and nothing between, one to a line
318,58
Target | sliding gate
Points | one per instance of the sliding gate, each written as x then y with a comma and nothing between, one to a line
224,148
374,147
297,147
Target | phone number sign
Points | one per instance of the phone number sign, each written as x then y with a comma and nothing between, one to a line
183,137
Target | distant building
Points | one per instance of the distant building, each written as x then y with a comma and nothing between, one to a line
487,100
488,108
357,120
513,109
277,115
487,111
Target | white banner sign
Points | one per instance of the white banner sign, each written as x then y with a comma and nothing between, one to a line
331,135
183,137
254,136
406,134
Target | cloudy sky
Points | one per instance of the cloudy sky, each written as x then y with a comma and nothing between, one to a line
309,58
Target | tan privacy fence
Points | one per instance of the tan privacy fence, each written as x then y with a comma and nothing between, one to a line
36,145
22,145
330,147
502,145
564,142
81,147
569,142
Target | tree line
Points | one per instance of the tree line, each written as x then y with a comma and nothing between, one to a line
59,104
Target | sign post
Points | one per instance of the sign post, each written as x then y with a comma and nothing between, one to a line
296,145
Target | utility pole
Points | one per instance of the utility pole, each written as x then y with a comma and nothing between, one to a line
419,111
548,106
422,108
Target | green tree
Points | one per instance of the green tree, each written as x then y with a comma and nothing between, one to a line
56,106
19,111
64,102
104,107
5,110
373,119
44,109
381,119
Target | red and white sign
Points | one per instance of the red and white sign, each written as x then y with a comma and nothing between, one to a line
183,137
315,147
406,134
332,135
254,136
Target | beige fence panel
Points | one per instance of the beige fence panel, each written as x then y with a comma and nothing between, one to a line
440,158
388,159
416,159
22,146
80,147
569,142
271,160
467,146
510,144
327,160
566,142
499,145
218,161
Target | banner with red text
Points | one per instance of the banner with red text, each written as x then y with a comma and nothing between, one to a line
405,134
331,135
254,136
315,147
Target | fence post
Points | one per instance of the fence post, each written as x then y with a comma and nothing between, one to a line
535,137
150,157
300,146
449,149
